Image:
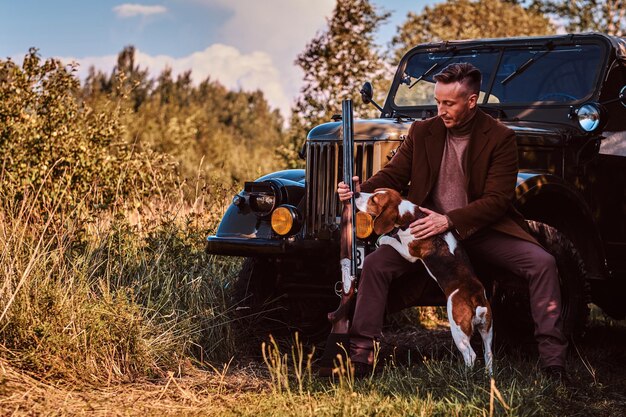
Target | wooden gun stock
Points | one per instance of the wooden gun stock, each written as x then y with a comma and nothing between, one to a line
339,317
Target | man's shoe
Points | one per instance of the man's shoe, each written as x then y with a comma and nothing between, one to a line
556,373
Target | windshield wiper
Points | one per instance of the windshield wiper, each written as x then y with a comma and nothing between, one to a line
436,65
454,51
549,47
424,74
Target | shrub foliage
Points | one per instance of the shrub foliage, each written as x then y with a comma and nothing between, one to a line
54,143
105,202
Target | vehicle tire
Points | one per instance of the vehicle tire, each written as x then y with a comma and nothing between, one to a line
264,307
511,305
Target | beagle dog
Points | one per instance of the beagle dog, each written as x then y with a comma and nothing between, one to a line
446,262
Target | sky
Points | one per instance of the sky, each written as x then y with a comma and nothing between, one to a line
244,44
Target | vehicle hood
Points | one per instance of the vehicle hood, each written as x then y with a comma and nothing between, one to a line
526,128
371,129
392,129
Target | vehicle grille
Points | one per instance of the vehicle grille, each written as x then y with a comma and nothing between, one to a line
324,168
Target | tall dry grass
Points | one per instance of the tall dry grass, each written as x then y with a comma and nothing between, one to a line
111,296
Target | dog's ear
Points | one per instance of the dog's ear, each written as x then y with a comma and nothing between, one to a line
385,221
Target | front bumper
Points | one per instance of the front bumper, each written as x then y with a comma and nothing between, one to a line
238,246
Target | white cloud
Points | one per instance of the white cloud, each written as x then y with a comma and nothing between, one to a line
226,64
132,10
282,28
274,24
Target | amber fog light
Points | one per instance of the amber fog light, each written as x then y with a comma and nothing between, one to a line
285,220
364,225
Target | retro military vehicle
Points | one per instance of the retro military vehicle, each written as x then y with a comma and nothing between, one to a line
565,98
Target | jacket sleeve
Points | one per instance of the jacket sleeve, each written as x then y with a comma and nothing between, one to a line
397,172
498,191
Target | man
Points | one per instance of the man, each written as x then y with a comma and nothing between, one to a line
461,169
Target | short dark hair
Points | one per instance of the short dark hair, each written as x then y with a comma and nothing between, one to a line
462,72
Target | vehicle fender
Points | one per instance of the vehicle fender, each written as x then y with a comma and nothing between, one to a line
549,199
295,175
243,222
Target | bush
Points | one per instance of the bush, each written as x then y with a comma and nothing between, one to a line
53,143
104,272
130,295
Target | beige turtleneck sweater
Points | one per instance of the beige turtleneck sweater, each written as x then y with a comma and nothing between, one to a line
449,191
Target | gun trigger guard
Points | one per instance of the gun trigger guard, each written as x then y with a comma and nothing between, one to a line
339,288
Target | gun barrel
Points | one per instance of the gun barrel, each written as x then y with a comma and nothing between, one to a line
348,172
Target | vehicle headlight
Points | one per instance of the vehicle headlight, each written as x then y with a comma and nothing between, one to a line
262,203
590,116
285,220
364,225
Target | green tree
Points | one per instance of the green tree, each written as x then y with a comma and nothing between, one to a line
607,16
213,134
466,19
335,65
127,78
228,136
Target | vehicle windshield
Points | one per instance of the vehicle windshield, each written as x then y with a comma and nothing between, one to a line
525,75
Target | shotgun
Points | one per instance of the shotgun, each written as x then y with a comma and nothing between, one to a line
339,318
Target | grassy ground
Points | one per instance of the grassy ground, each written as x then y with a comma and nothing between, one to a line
423,376
124,314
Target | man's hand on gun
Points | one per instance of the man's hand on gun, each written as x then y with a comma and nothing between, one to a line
343,189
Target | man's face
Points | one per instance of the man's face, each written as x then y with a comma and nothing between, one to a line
455,103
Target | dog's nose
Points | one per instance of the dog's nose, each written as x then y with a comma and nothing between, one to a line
357,194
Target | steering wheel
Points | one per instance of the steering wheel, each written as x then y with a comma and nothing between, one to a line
557,97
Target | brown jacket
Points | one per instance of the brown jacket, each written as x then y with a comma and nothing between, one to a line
491,167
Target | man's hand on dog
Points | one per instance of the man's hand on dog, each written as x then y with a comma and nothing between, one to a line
343,189
431,225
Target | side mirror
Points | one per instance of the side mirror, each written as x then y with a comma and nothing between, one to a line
367,92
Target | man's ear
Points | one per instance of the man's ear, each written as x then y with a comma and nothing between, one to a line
472,100
385,221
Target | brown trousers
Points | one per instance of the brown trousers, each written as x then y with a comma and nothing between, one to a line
515,255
